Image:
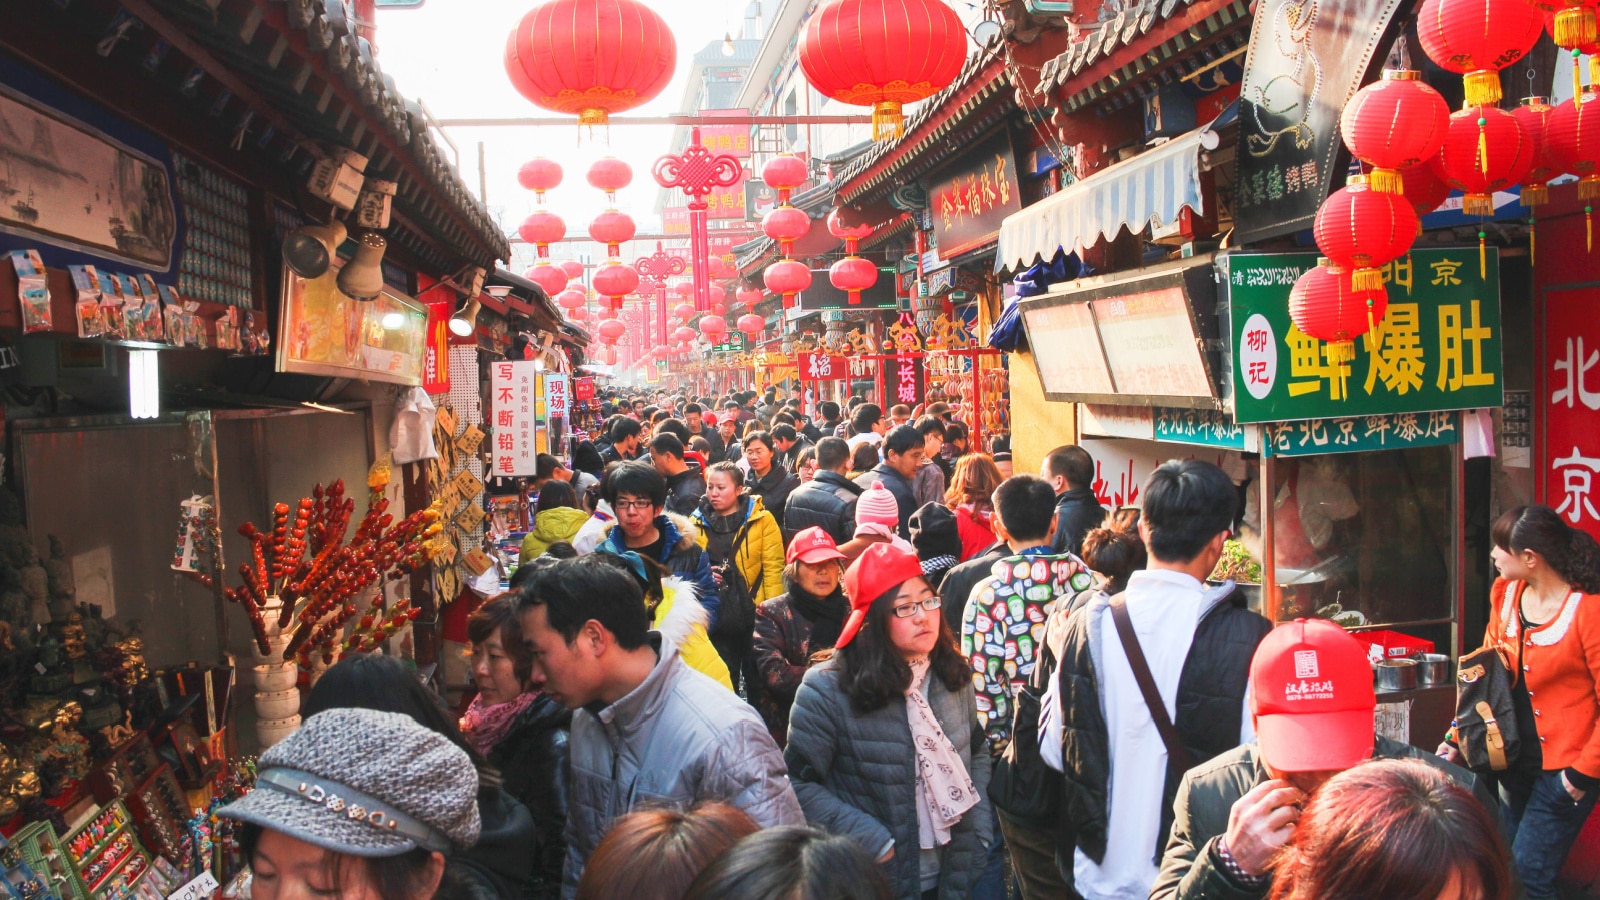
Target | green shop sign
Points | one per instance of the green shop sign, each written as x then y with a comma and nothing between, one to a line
1437,349
1355,434
732,342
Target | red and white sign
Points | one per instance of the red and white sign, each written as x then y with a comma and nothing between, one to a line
583,388
822,367
513,389
903,380
1572,406
555,394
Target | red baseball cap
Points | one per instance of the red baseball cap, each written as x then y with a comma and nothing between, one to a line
813,545
1311,691
881,568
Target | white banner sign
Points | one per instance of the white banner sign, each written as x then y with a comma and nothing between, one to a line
514,388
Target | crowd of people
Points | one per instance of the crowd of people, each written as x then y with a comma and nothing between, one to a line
752,654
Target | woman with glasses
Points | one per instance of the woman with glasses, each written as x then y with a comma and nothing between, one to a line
884,743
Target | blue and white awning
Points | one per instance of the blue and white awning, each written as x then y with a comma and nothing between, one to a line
1149,189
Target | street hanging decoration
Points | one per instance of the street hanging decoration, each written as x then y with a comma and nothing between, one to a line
1325,304
883,54
852,274
697,172
1573,133
1476,39
786,224
1534,114
590,58
1395,123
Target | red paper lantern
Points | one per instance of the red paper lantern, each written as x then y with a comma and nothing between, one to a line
786,224
571,299
539,175
610,174
591,58
1394,123
713,327
572,267
751,324
1534,114
579,315
1361,229
683,333
784,172
612,228
1324,305
719,309
1477,38
883,54
608,355
550,277
1486,150
750,296
843,232
1424,190
684,311
541,229
611,329
683,289
1572,23
615,279
853,275
787,277
1573,139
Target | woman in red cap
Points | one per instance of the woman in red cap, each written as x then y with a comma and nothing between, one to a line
807,618
884,743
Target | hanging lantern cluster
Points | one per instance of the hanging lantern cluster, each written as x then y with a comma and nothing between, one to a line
752,325
1325,304
613,278
851,274
883,54
590,58
542,227
786,224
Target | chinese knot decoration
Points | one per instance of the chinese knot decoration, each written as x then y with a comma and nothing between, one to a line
654,270
591,58
786,224
697,172
883,54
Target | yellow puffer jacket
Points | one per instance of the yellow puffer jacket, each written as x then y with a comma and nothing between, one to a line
558,524
682,621
761,554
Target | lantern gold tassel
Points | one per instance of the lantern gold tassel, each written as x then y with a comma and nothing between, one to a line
888,123
1483,145
1574,26
1533,242
1366,279
1483,255
1386,181
1477,205
1340,353
1482,87
1577,72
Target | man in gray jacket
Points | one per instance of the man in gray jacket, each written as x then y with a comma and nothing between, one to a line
647,730
1313,705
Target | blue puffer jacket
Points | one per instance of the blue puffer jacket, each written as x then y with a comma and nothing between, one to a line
681,553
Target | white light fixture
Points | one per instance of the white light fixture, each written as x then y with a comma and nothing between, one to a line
538,364
987,32
465,322
393,321
144,384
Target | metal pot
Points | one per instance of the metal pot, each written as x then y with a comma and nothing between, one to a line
1434,668
1392,675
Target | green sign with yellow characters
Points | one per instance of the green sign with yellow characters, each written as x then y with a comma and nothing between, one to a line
1436,349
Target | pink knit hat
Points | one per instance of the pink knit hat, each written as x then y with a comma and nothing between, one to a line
878,506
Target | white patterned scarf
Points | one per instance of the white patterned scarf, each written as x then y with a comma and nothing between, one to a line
944,788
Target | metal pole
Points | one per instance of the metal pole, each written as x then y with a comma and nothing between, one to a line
483,178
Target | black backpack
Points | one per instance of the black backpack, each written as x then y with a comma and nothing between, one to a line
736,620
1022,786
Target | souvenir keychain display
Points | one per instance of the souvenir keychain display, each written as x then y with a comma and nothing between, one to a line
22,880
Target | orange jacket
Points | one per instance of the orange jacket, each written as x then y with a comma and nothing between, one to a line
1561,662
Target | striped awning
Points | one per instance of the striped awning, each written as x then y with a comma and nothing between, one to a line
1147,190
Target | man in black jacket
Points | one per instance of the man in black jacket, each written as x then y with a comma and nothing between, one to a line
626,436
1196,644
1070,470
902,455
692,413
686,484
828,500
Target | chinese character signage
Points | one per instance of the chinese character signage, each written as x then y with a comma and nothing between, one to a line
968,207
1571,383
822,367
1303,66
1206,427
675,220
1438,348
1354,434
732,342
903,379
726,202
514,392
553,418
583,388
730,139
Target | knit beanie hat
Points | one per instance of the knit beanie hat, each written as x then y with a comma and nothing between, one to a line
933,532
876,505
365,783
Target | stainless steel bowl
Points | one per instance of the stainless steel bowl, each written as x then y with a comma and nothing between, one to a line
1393,675
1434,668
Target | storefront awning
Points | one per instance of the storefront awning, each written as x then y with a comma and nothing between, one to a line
1150,189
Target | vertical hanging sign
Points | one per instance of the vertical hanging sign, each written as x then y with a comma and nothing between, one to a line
513,388
903,379
555,409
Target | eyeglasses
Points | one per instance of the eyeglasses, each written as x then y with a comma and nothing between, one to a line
635,504
910,609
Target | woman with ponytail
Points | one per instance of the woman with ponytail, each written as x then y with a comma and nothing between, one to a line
1544,616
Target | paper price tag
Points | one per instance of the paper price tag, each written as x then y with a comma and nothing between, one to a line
203,886
471,517
467,484
470,439
477,561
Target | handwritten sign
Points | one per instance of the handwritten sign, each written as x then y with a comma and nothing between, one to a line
470,518
199,888
513,388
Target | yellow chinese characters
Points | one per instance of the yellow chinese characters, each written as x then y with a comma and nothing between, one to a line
1396,351
1453,336
1308,368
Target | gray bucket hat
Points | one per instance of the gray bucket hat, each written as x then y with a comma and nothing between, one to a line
365,783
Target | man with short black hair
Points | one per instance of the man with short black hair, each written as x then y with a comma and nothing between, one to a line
1002,631
1195,645
930,481
693,417
1070,471
828,500
829,411
899,414
789,445
902,456
686,484
646,728
625,440
637,495
866,425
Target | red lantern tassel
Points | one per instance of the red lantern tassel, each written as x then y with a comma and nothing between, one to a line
1483,145
1533,242
1366,279
1577,80
1386,181
1574,26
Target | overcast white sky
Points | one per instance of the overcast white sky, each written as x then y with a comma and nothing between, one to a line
450,55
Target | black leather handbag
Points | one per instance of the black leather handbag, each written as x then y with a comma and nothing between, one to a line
1486,717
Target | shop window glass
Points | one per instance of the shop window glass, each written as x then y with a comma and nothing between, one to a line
1368,534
